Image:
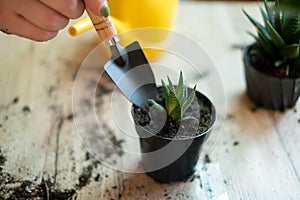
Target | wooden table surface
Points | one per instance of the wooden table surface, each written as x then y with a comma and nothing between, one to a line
42,156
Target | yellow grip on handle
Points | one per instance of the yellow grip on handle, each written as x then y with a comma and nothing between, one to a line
103,25
80,26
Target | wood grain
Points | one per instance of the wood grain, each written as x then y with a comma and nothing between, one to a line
255,157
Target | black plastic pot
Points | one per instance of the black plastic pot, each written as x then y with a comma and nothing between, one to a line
167,159
269,91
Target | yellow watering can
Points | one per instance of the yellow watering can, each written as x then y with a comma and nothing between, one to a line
134,14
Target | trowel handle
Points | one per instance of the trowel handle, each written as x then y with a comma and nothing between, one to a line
103,25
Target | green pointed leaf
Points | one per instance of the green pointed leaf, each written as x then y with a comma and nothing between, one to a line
259,26
173,102
266,44
294,2
180,89
276,38
171,86
185,91
174,109
277,16
189,100
290,51
269,12
178,99
166,92
264,15
253,35
157,113
176,114
190,118
156,105
191,121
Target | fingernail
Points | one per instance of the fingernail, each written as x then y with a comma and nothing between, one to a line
105,11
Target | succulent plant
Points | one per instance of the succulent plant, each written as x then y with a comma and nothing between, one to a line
176,101
280,34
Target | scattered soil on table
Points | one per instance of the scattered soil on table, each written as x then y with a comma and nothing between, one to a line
195,176
84,178
70,117
15,100
2,160
117,143
299,121
253,109
12,188
170,128
26,109
207,159
97,177
87,173
105,84
236,143
264,63
230,116
87,155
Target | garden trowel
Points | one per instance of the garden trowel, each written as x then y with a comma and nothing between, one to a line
128,66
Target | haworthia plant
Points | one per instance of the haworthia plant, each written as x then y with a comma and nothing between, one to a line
280,34
177,100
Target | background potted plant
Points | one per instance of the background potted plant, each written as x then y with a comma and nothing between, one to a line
272,64
172,129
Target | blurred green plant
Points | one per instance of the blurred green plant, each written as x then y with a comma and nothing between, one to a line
176,101
280,34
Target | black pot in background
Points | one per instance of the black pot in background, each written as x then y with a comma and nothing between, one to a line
269,91
172,159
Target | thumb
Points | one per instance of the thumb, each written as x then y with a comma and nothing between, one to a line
95,5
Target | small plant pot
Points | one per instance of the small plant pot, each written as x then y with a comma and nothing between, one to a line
168,159
269,91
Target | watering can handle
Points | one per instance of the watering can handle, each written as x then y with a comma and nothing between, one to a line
103,25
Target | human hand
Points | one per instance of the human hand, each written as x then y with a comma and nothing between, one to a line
98,7
41,20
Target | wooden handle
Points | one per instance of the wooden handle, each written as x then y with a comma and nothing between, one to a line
103,25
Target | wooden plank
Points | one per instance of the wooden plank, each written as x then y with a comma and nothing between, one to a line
287,126
254,158
23,131
253,154
36,85
249,151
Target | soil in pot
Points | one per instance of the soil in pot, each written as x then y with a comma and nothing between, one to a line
269,86
157,132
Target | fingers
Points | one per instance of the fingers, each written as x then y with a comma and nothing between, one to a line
42,16
38,20
16,24
95,5
72,9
